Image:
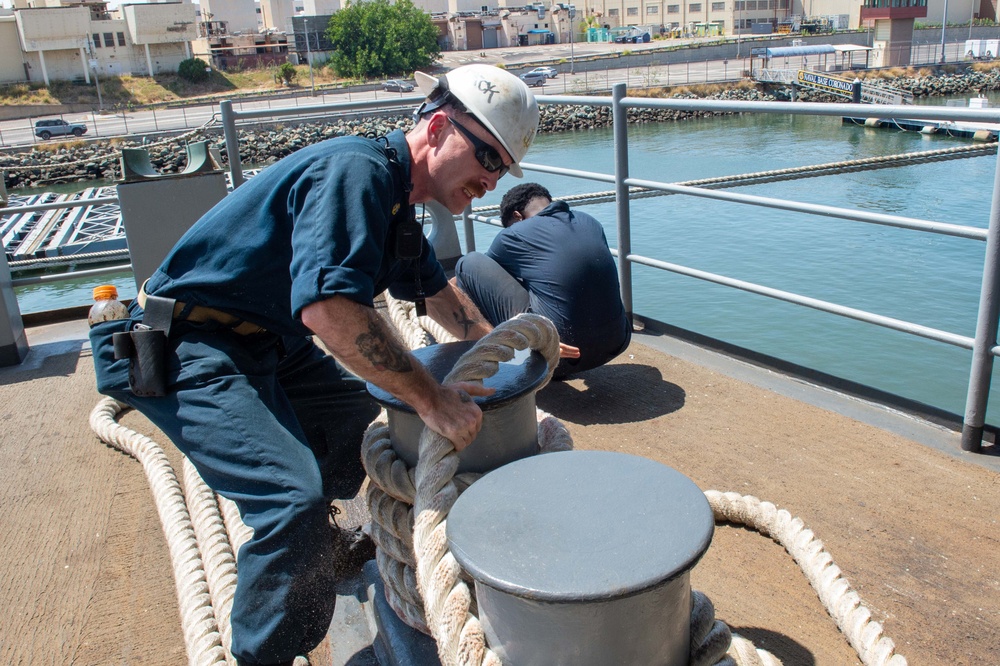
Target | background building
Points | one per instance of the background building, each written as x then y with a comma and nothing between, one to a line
73,39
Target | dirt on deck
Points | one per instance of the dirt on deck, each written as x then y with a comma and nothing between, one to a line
87,577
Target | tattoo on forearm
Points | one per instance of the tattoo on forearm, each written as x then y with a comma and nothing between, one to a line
382,351
462,319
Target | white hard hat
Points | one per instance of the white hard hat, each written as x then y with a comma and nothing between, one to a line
496,98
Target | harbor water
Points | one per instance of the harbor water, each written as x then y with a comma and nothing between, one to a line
925,278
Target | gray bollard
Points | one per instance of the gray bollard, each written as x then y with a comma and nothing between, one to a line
583,558
510,429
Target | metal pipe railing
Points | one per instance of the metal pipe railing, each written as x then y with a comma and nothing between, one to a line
56,205
984,345
623,213
61,277
986,331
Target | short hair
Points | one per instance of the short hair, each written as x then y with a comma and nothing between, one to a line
517,198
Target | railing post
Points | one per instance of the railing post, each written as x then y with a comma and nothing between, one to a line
232,143
470,232
986,331
620,122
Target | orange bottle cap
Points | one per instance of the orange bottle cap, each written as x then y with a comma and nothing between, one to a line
105,292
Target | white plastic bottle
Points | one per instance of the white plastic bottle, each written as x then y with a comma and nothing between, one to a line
106,305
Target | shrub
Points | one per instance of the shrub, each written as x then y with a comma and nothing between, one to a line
287,72
193,70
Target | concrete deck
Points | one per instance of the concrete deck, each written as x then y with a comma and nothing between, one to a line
911,520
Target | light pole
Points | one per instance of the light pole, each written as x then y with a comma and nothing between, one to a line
309,57
739,35
572,12
97,81
944,24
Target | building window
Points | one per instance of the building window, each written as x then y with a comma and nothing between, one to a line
632,11
613,11
109,39
652,9
718,6
694,7
97,40
752,5
673,9
121,39
782,4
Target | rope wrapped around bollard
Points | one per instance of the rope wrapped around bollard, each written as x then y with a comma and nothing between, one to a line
392,491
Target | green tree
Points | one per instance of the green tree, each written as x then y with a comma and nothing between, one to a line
193,69
374,38
287,72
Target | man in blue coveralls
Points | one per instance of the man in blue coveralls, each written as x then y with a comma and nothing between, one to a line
555,262
301,250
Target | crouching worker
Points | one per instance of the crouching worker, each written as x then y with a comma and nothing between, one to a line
301,250
555,262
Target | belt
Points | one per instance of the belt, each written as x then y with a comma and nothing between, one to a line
200,314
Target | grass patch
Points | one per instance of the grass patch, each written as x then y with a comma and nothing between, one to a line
136,91
18,94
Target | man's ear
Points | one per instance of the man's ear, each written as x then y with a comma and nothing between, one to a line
517,216
436,124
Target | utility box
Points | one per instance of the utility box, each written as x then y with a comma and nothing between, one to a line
13,341
158,208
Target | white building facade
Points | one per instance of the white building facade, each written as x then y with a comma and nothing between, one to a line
76,40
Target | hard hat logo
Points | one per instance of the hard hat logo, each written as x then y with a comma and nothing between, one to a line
500,101
487,88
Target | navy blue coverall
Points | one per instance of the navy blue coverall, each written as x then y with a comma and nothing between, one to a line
555,264
269,420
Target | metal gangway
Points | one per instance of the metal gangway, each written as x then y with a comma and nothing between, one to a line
49,225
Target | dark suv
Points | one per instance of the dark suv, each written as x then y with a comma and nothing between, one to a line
46,129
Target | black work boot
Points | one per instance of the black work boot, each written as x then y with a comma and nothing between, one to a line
351,547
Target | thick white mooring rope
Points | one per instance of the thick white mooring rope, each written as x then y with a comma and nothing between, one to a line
844,605
435,580
198,623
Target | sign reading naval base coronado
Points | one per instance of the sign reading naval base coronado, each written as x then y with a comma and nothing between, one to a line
828,82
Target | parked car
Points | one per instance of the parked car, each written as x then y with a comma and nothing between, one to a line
547,71
46,129
534,78
395,85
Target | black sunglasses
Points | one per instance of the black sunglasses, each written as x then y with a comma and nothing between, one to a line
486,154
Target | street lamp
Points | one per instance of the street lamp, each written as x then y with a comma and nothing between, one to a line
309,57
572,13
92,62
739,35
944,24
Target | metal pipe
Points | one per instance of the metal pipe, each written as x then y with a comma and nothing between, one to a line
232,143
58,205
620,121
61,277
935,334
470,231
986,331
